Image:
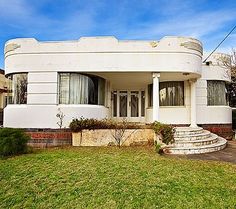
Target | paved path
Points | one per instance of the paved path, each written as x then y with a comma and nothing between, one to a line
228,154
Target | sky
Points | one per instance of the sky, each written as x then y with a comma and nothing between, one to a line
48,20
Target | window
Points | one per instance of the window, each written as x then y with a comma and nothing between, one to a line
171,93
17,93
216,93
75,88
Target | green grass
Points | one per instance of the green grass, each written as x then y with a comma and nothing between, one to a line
110,177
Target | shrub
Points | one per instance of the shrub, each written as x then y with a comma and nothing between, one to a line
157,146
77,125
165,130
13,141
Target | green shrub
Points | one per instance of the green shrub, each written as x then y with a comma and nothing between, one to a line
77,125
157,147
165,130
13,141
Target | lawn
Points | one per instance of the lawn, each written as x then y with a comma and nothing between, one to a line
109,177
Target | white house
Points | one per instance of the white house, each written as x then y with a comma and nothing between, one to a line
102,77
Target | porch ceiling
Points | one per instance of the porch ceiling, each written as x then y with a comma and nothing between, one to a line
137,80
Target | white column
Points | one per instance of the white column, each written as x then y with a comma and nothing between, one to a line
155,96
193,103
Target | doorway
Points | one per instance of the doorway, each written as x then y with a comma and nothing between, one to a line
129,105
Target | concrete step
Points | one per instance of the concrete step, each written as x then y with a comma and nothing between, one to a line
183,131
185,150
193,136
210,139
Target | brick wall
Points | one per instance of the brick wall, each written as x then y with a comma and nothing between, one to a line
223,130
43,138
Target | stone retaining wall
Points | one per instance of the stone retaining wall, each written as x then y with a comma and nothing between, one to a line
106,137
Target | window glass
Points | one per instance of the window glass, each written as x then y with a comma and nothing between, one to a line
171,93
142,103
114,97
134,103
150,92
17,93
123,103
75,88
64,88
216,93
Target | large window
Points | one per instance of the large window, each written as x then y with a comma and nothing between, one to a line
171,93
17,93
75,88
216,93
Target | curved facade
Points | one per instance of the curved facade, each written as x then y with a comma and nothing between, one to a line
93,77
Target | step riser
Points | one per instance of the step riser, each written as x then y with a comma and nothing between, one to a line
189,138
183,133
194,144
194,151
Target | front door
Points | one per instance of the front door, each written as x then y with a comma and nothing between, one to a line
129,105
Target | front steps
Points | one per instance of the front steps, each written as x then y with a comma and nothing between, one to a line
194,141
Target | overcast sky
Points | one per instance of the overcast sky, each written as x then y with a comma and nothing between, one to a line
207,20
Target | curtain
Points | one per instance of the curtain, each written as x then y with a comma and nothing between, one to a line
216,93
78,89
19,88
64,89
75,88
172,93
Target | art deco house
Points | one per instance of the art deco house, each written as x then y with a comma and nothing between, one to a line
102,77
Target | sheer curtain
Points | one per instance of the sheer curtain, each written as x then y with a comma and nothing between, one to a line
216,93
78,89
19,88
64,88
172,93
75,88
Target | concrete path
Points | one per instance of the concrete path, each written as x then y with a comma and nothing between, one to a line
228,154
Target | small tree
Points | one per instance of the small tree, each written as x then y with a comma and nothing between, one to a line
229,63
60,116
119,131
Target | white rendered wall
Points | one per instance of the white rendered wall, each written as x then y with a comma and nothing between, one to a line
170,54
44,116
212,114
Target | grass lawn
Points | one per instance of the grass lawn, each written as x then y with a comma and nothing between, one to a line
110,177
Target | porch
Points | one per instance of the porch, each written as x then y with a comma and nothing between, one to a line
147,97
